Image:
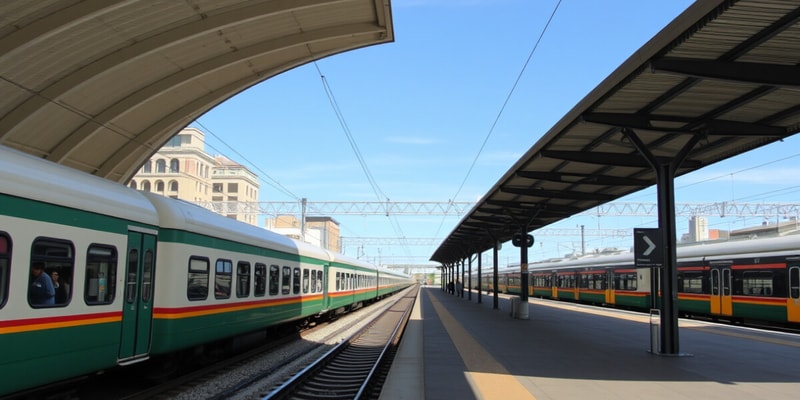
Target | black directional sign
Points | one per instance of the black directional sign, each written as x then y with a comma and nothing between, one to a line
647,247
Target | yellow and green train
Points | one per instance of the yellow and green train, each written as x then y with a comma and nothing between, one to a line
740,280
141,275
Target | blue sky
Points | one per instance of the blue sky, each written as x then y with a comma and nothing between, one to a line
420,108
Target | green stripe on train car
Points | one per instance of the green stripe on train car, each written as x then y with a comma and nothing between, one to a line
45,212
194,239
543,292
28,357
179,333
694,306
639,302
760,312
593,298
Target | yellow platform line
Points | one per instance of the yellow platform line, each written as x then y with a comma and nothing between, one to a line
488,378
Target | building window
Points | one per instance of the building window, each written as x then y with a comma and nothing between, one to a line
133,185
146,186
161,166
148,167
233,188
216,188
173,186
159,186
174,166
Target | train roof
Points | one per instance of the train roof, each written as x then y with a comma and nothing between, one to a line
387,271
741,248
29,177
185,216
783,245
341,258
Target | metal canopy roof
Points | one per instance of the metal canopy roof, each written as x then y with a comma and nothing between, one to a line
101,85
724,71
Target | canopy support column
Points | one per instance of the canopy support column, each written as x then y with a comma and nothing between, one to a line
665,170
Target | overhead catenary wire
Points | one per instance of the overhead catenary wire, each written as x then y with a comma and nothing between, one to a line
502,108
379,194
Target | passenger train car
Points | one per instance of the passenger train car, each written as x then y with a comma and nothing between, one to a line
745,280
142,275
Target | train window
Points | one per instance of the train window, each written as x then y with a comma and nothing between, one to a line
715,282
243,279
338,281
131,276
690,281
222,279
197,285
101,275
305,280
147,275
260,279
726,282
274,279
5,266
313,282
625,281
319,281
56,258
286,281
757,283
794,282
296,281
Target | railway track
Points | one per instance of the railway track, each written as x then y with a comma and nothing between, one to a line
246,375
353,369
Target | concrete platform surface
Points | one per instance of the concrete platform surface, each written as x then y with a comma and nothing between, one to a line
455,348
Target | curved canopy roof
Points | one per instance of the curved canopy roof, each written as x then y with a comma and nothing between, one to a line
101,85
724,74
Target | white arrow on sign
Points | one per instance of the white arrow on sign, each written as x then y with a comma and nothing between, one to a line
650,246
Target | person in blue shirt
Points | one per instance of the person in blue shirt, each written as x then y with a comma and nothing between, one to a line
41,292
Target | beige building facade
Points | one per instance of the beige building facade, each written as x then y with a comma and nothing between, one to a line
319,231
182,169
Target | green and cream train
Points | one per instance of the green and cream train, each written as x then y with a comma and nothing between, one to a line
142,275
756,280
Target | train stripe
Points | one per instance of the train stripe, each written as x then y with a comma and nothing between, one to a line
35,324
198,311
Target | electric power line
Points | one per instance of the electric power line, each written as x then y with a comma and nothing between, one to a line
503,107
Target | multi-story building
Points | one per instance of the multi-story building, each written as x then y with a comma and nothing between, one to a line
183,170
319,231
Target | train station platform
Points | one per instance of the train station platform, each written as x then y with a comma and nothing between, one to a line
455,348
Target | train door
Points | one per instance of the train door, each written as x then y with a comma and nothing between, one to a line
609,286
554,284
137,313
721,300
793,306
326,293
